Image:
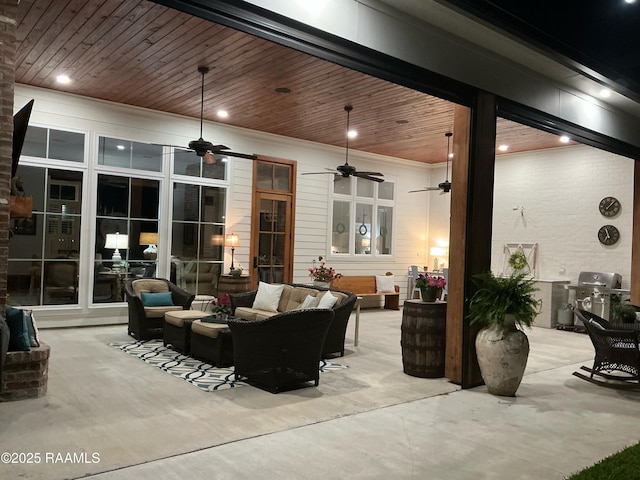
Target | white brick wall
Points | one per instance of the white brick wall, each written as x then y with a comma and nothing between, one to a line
560,190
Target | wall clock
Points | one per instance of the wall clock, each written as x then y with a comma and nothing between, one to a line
608,235
609,206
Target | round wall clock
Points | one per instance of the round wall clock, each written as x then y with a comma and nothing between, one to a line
608,235
609,206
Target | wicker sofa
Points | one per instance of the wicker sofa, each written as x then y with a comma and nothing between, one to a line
293,296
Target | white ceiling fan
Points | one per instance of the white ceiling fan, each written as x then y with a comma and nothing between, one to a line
445,186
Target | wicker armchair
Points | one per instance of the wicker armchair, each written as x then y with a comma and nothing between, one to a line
282,351
616,350
334,343
147,322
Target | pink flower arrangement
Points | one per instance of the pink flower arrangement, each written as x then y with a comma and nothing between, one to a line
430,281
222,304
321,273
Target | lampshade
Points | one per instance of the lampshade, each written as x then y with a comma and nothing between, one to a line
365,242
117,240
216,240
148,238
232,240
437,251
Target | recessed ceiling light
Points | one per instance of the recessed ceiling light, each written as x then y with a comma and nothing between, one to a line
352,134
64,79
283,90
402,122
222,114
605,93
564,139
120,147
630,1
503,148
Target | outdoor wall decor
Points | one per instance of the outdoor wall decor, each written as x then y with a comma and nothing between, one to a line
520,258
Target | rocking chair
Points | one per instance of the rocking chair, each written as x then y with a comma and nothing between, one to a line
616,349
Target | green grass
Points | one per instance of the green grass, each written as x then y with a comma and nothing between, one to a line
624,465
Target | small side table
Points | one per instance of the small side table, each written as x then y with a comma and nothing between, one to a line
232,284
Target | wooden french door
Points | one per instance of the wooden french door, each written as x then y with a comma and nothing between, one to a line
272,230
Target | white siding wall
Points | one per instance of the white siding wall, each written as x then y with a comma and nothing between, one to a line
96,117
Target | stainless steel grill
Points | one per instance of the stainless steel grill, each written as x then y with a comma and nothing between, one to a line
594,290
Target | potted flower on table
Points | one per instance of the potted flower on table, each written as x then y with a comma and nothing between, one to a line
430,286
321,274
221,306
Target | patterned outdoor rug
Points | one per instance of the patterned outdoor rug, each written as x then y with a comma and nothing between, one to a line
203,375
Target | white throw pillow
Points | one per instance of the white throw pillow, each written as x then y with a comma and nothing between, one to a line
385,284
309,302
327,301
268,297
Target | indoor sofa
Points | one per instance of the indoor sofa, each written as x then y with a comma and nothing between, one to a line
293,297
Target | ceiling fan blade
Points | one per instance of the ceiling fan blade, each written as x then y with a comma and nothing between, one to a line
238,155
377,174
368,177
426,189
320,173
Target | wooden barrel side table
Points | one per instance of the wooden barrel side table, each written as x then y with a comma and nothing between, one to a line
231,284
423,338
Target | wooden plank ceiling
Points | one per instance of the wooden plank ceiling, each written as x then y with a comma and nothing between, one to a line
140,53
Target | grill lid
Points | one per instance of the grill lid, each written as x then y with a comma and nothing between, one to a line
600,279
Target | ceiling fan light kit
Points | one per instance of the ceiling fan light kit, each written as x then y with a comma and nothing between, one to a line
446,185
347,170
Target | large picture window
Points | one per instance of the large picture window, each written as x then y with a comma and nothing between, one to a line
127,214
362,217
44,249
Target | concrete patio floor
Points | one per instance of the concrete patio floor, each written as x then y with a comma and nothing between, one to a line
367,421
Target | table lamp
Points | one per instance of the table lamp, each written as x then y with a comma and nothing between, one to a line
150,239
436,252
117,241
232,241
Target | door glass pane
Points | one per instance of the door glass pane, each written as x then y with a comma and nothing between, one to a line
281,178
265,176
340,227
272,240
384,230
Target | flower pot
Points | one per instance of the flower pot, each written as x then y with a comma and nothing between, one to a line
502,355
429,294
317,283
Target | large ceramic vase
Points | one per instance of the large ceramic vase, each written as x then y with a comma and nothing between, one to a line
502,355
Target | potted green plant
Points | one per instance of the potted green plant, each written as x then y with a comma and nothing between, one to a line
624,312
502,306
